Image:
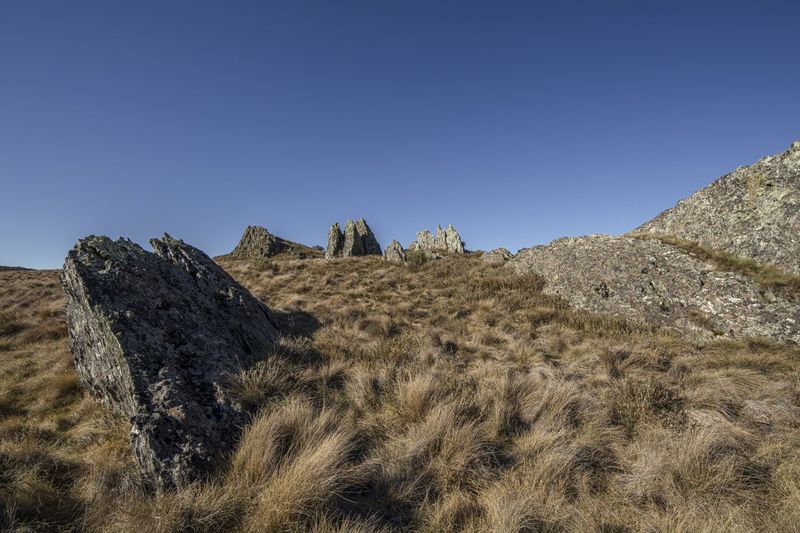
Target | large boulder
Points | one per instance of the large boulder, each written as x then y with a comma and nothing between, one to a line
155,337
357,240
661,284
753,212
257,242
445,240
394,253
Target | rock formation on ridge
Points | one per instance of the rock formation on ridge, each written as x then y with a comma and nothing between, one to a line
257,242
155,336
753,212
357,240
335,242
498,256
394,253
446,240
661,284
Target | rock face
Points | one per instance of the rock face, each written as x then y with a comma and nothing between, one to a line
357,240
257,242
497,256
664,285
154,336
752,212
394,253
446,240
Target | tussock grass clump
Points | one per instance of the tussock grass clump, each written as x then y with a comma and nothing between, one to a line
450,396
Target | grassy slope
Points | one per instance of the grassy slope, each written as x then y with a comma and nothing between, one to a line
450,396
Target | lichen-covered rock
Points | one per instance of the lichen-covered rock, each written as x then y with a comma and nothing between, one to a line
257,242
394,253
497,256
357,240
446,240
425,241
661,284
753,212
155,336
453,242
353,247
335,242
369,244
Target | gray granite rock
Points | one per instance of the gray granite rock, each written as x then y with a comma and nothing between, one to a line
155,336
353,247
446,240
453,241
369,244
753,212
394,253
425,241
257,242
661,284
497,256
335,242
357,240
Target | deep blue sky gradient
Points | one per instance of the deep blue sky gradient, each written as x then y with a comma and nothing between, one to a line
517,122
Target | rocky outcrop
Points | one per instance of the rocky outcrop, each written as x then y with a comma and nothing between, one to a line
425,241
335,242
257,242
394,253
357,240
452,240
753,212
497,256
661,284
155,336
446,240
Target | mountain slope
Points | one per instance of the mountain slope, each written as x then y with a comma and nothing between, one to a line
753,212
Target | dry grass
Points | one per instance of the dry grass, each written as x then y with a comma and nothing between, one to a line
451,396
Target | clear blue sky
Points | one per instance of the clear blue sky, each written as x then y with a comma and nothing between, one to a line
516,122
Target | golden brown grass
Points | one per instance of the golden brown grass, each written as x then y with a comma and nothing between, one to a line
452,396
